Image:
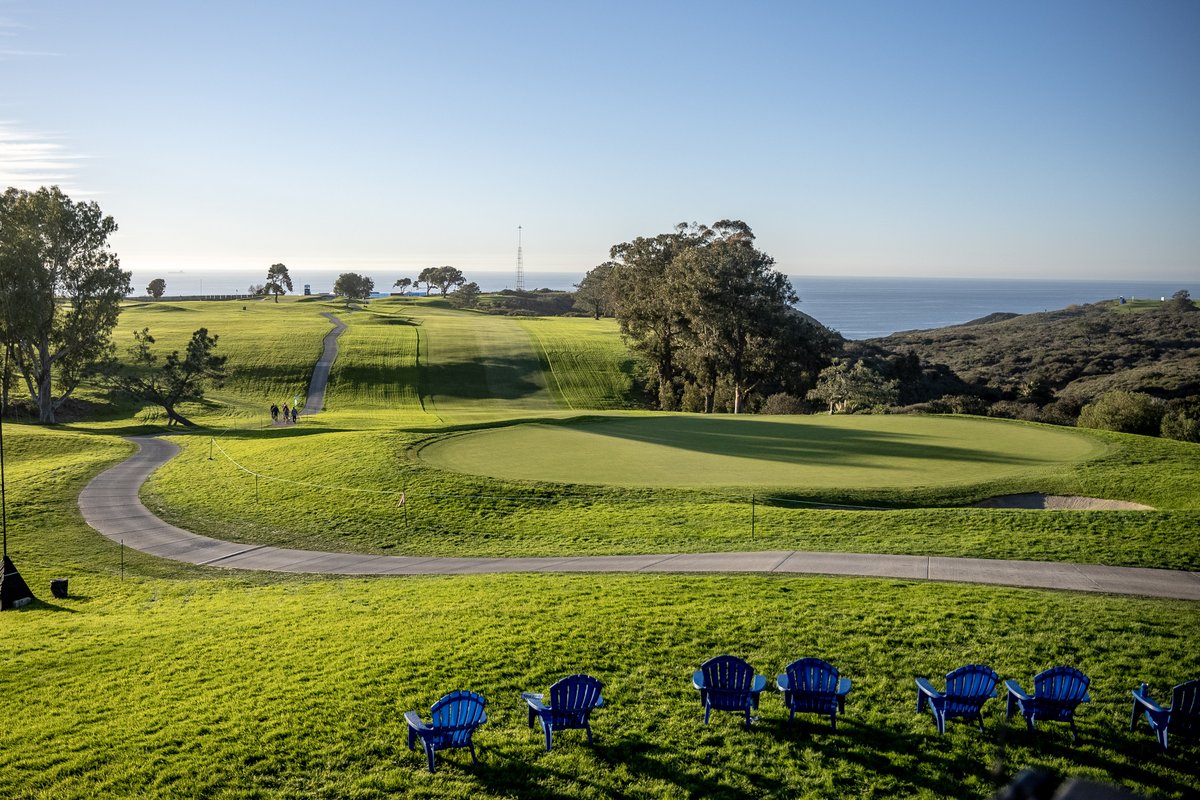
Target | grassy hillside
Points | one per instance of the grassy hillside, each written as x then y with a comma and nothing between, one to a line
1079,352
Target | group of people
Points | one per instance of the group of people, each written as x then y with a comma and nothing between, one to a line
293,414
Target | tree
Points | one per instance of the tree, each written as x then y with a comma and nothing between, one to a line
278,281
257,289
650,320
1126,412
156,288
1180,302
60,290
594,293
353,286
466,296
403,284
735,303
441,277
848,389
178,380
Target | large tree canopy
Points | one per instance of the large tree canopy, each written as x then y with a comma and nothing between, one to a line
441,277
707,310
60,290
353,286
278,280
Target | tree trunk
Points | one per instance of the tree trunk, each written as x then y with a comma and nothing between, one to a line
45,399
175,416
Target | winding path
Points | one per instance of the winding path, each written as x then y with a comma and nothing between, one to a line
110,504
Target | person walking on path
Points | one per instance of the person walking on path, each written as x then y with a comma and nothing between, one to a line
285,413
295,414
274,413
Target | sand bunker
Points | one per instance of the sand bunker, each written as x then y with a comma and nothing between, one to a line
1060,502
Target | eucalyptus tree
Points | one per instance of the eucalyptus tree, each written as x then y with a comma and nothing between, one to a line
278,280
735,303
60,291
156,288
652,320
594,294
403,284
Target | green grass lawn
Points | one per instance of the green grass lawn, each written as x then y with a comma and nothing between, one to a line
842,452
449,513
159,679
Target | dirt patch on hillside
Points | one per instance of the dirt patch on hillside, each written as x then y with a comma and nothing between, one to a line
1060,502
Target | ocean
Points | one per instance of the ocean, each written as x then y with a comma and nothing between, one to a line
858,308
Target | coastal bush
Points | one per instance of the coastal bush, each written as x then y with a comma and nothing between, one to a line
783,403
1181,424
1012,409
1124,412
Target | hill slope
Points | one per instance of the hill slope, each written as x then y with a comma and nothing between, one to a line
1078,352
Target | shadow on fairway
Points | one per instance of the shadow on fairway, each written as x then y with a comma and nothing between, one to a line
798,444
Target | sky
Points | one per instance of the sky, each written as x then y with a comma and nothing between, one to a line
1049,139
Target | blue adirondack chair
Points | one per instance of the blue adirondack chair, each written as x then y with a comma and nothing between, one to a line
571,702
812,686
727,683
1181,717
1056,693
455,718
967,689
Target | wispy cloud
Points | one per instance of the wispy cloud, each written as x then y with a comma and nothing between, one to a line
29,160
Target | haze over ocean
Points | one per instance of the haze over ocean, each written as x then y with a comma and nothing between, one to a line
857,307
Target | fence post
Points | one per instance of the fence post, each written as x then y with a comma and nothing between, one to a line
752,515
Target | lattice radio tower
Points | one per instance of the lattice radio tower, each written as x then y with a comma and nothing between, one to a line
520,263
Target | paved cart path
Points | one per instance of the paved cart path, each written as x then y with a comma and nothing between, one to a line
110,504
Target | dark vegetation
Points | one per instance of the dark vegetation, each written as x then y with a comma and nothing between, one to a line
1103,365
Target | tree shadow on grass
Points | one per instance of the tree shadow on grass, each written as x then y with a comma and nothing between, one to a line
795,444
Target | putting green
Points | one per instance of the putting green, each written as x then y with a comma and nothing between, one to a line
813,452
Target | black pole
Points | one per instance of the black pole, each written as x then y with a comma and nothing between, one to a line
14,592
3,497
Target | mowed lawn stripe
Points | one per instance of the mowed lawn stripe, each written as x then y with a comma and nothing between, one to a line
474,363
589,362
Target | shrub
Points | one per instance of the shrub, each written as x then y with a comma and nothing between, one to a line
782,403
1126,412
1011,409
1182,425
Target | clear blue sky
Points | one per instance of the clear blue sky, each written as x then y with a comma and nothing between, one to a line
1023,139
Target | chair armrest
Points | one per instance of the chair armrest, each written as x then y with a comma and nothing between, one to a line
926,688
760,683
782,683
599,702
414,721
1140,699
843,687
534,701
1015,690
1087,698
698,679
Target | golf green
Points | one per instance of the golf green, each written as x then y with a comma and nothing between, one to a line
817,451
